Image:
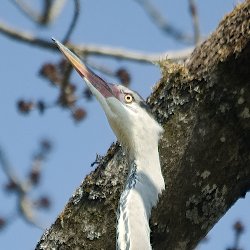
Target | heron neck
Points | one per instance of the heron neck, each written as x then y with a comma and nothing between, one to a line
145,156
144,184
147,174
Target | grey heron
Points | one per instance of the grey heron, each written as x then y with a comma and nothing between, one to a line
139,133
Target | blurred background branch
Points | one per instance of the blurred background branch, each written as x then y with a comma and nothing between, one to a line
160,21
50,10
26,205
102,51
239,229
195,20
73,21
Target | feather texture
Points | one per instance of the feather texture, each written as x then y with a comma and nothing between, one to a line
143,186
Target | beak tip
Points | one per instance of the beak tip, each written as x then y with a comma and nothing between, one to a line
55,41
84,71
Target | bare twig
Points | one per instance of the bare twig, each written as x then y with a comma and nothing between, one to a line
65,80
23,187
162,23
74,21
9,172
25,37
103,51
130,55
51,10
45,16
55,10
195,19
27,10
27,211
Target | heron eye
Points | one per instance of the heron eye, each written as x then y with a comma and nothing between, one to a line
128,98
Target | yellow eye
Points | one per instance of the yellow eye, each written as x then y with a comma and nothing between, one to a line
128,98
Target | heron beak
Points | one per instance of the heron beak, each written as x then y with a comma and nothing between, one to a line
92,80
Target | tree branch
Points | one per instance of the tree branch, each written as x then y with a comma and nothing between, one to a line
204,109
162,23
196,26
89,50
73,22
51,10
22,187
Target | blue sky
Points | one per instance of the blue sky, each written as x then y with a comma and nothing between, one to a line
113,23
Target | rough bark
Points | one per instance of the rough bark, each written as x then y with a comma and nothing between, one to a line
204,107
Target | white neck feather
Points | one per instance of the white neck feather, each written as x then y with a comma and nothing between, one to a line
144,183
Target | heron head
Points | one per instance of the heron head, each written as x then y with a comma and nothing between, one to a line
127,112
